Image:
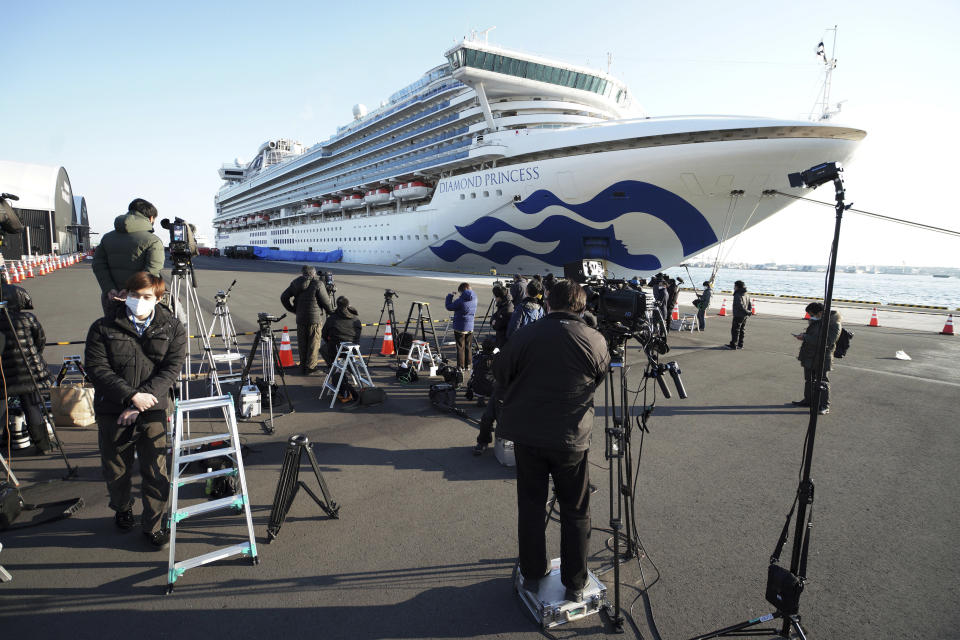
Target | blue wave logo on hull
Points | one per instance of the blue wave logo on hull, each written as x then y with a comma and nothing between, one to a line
691,227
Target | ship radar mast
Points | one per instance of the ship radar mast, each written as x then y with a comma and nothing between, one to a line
822,111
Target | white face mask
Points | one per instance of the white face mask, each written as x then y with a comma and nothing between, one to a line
140,307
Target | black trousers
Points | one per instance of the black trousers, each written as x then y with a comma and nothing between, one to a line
147,437
808,377
571,481
701,318
490,415
737,329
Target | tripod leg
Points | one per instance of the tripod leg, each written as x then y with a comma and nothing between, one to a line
283,377
376,329
253,352
332,508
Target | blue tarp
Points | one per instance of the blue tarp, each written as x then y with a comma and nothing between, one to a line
298,256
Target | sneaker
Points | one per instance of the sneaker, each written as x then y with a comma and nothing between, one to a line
124,520
480,448
739,346
573,595
730,346
159,538
800,403
824,411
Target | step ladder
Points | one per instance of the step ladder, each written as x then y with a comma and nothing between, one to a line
350,361
420,352
422,325
180,462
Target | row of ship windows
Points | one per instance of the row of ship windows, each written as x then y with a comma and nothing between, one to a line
278,241
486,194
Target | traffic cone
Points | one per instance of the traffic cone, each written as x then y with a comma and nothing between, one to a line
42,270
676,311
387,348
723,308
17,274
874,320
948,327
806,316
753,307
30,271
286,351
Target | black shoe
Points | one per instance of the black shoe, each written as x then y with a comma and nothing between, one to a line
824,411
729,346
739,346
800,403
573,595
480,448
124,520
159,538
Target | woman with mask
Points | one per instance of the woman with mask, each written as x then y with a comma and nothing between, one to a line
133,358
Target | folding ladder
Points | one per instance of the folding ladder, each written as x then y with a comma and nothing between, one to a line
422,325
182,459
420,352
350,361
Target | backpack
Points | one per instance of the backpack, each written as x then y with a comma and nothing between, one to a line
843,343
528,316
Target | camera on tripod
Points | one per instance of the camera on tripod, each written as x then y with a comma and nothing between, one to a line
390,293
620,309
182,245
329,284
264,320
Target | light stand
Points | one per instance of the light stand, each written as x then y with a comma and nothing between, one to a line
267,342
784,587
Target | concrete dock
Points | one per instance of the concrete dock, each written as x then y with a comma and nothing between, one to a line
426,542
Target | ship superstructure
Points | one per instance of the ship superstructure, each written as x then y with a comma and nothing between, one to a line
499,159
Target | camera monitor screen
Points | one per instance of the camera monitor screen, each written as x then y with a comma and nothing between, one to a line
179,233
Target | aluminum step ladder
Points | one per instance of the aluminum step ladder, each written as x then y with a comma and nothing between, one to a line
350,361
420,353
182,459
235,363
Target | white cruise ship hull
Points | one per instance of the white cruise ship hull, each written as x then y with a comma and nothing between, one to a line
642,209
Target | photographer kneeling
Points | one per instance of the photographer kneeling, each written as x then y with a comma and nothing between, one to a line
343,325
548,373
133,359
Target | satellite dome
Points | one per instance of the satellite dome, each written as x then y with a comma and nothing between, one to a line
359,111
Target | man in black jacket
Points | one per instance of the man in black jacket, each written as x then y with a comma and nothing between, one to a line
742,308
133,359
548,373
343,325
500,319
307,298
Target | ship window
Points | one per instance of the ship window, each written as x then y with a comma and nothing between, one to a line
417,237
434,236
462,196
473,194
408,237
499,192
486,194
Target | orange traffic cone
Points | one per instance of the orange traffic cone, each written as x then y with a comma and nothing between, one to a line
30,271
948,327
387,348
723,308
286,351
42,270
874,320
753,307
676,311
806,316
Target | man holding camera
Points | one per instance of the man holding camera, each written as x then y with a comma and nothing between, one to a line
307,298
548,373
133,359
131,247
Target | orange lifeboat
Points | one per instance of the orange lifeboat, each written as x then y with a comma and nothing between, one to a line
352,201
377,196
332,204
412,190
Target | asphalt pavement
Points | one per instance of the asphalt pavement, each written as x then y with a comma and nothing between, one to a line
426,541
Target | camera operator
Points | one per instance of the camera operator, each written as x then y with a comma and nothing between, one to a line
548,374
742,308
808,355
528,311
133,359
343,325
17,371
131,247
704,304
307,298
464,311
500,319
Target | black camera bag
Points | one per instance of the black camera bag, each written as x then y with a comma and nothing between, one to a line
443,395
372,395
11,504
783,590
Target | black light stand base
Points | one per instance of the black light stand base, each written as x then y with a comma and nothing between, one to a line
290,484
745,628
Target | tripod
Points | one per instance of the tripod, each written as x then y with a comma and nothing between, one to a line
784,586
185,305
618,446
224,321
267,342
290,484
388,309
47,413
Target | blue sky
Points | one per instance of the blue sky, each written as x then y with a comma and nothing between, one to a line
147,101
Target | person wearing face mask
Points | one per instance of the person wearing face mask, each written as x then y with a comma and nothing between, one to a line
132,246
133,358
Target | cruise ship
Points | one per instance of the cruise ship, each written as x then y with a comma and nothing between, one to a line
502,160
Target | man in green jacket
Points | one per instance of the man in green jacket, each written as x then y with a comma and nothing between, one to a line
131,247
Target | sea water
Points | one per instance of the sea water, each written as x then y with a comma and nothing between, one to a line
868,287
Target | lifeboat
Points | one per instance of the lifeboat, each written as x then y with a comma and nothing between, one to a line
377,196
333,204
352,201
412,190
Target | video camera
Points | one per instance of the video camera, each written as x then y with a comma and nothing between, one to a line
9,221
619,308
390,293
182,245
331,287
